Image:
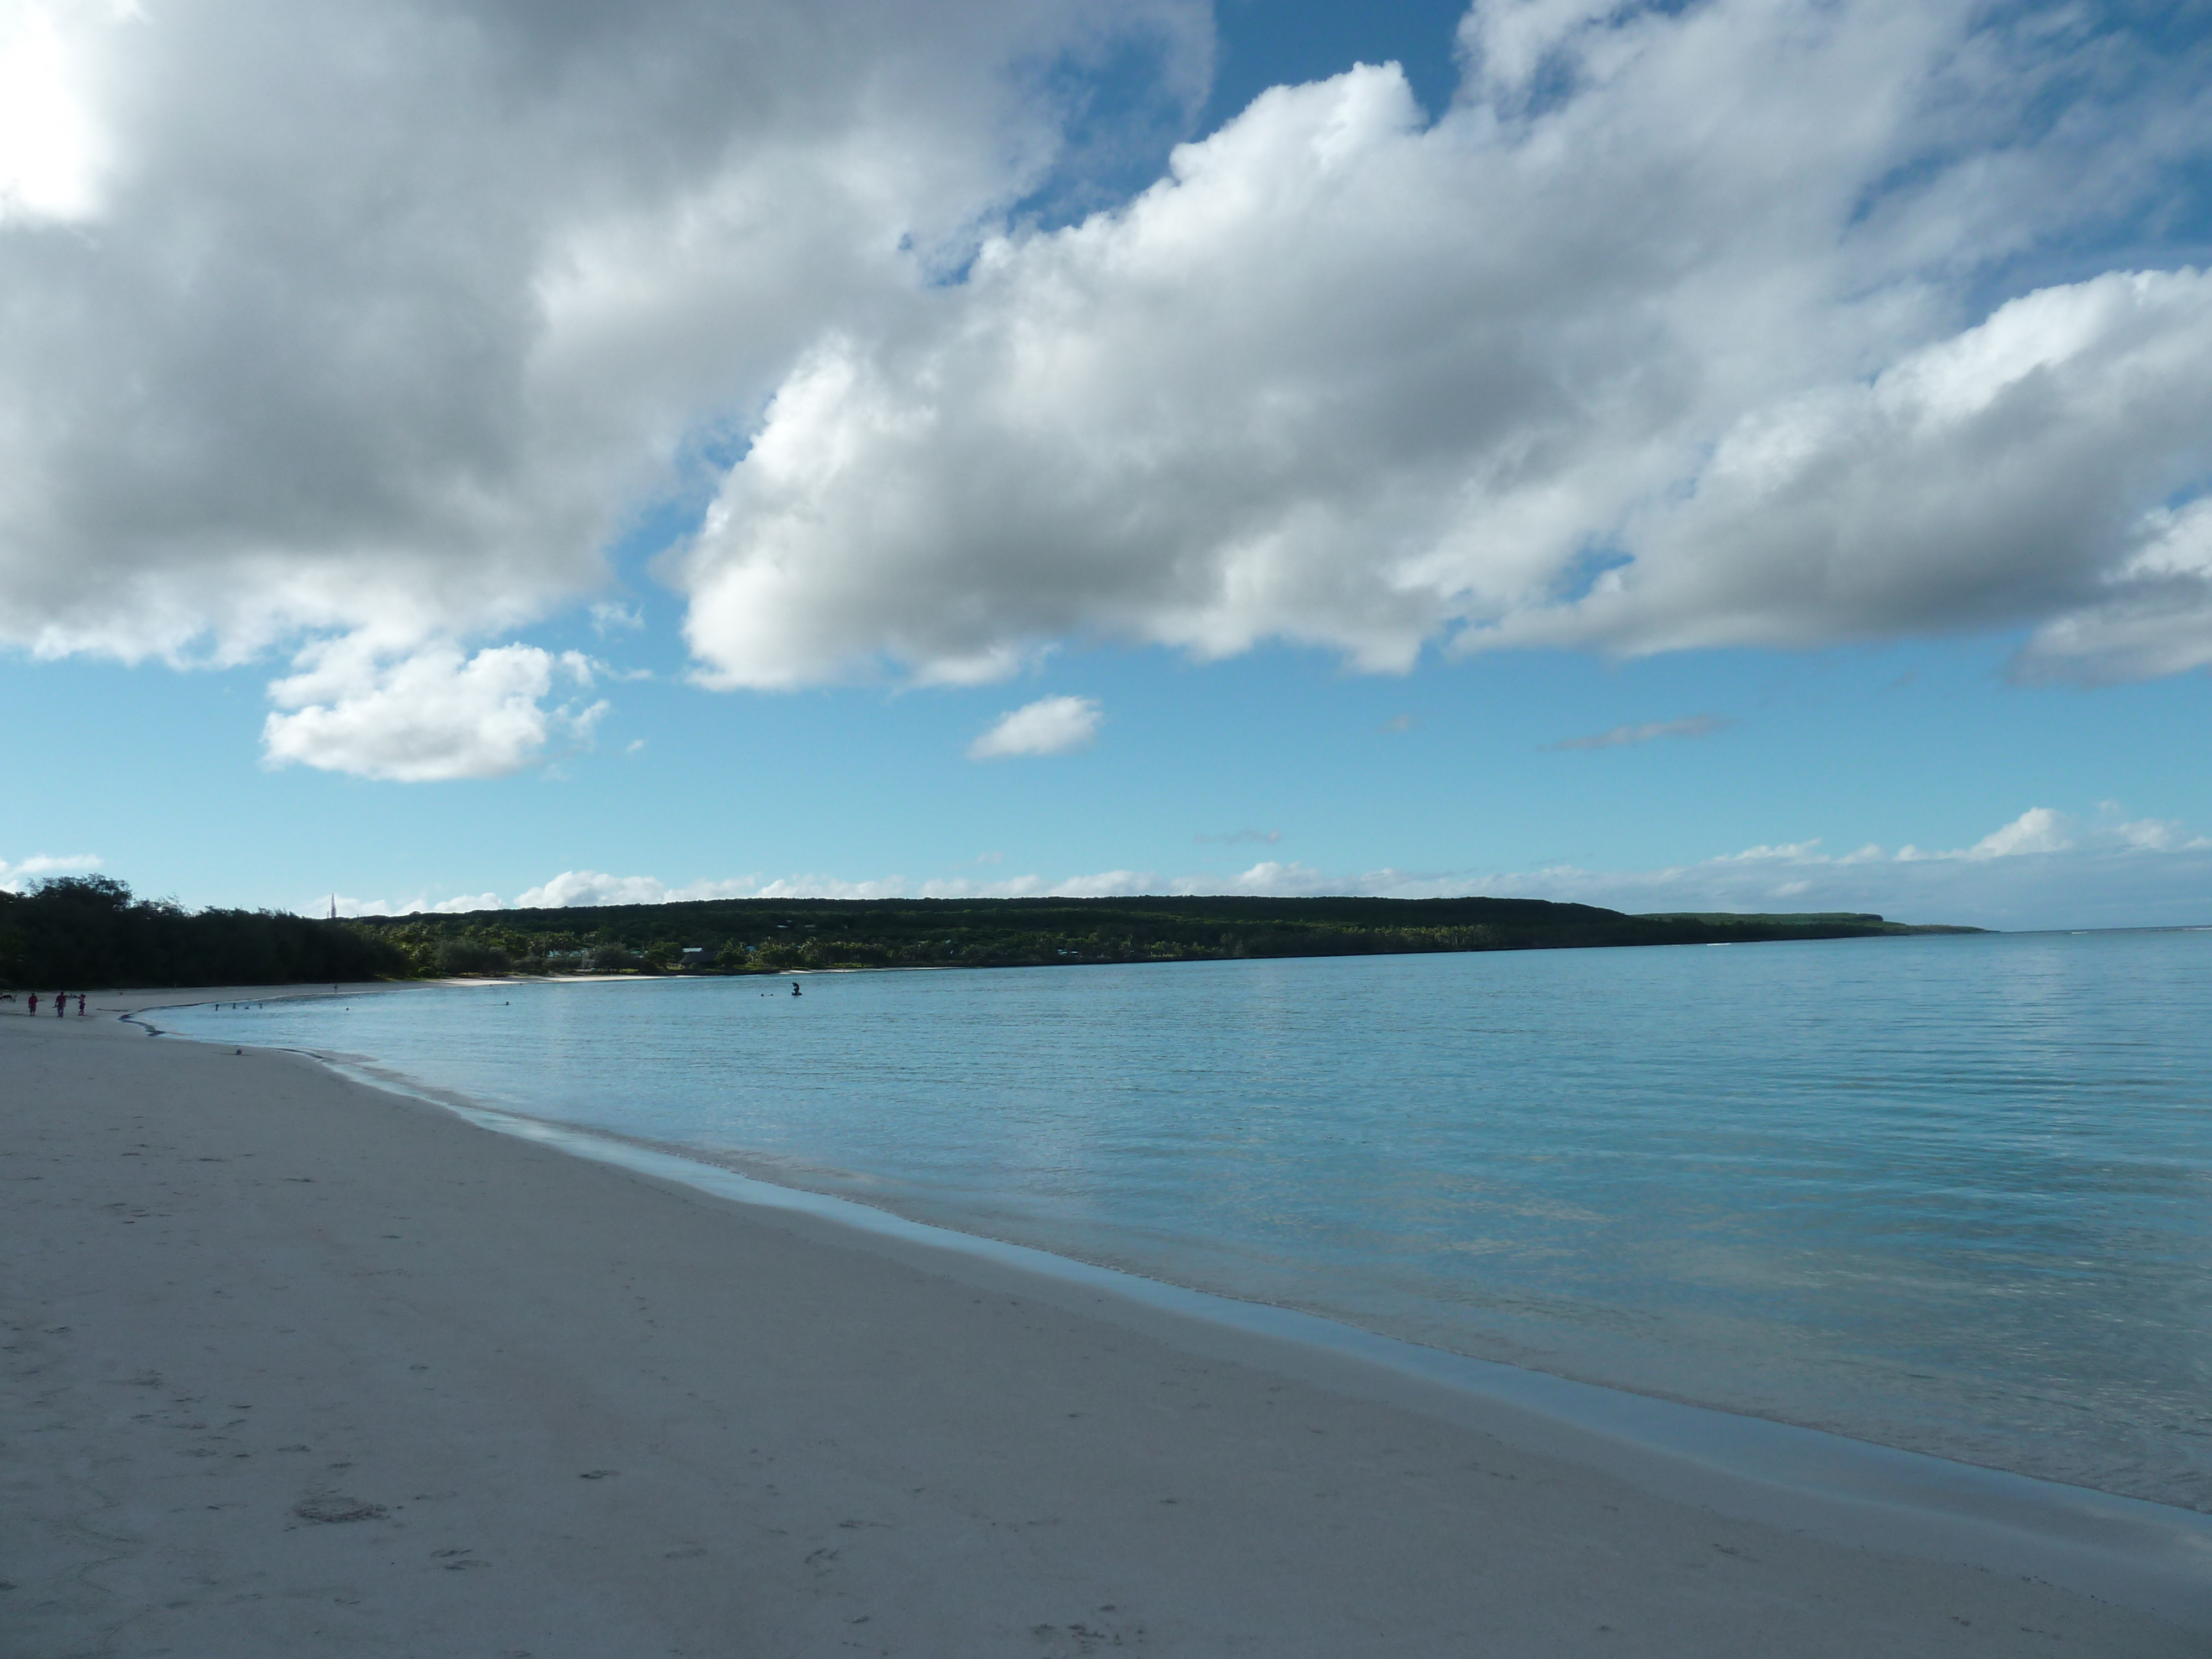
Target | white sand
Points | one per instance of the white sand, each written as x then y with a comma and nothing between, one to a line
298,1368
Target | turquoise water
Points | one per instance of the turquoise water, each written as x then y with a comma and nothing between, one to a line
1950,1194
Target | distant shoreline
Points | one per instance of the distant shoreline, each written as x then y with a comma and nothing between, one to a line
78,931
743,936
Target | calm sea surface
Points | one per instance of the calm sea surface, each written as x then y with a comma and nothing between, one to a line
1950,1194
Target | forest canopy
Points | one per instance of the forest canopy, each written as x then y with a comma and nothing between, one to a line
83,931
780,935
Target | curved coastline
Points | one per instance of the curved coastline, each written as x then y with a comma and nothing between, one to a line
2154,1557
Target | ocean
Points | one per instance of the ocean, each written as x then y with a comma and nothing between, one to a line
1952,1194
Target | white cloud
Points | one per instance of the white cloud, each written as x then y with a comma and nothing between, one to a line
1787,852
2038,830
1994,477
1697,725
2045,869
53,153
833,887
2042,830
592,887
1273,877
371,328
2041,870
2151,616
2154,835
330,319
583,887
421,904
15,878
432,714
589,887
1050,726
1108,883
1670,333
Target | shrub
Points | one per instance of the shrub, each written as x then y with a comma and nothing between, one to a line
469,955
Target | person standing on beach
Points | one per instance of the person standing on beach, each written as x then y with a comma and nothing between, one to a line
34,1005
80,1004
61,1003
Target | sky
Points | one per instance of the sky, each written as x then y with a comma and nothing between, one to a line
1741,454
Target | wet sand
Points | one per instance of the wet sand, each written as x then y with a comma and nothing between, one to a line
297,1367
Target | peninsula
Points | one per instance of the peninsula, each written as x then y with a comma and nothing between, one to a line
78,931
780,935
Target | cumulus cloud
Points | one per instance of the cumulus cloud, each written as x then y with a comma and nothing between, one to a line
2038,830
1995,477
1674,330
1697,725
1750,322
53,151
2043,830
435,714
2152,615
580,887
1107,883
329,317
16,877
1050,726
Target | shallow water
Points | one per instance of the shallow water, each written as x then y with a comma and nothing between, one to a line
1947,1193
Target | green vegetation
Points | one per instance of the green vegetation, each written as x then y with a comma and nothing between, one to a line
79,932
1801,918
83,931
778,935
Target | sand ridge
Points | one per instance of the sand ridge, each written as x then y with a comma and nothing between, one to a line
297,1367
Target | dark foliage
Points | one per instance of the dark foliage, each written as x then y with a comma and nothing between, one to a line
79,932
740,935
84,931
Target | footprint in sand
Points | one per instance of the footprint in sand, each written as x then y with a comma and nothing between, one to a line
331,1509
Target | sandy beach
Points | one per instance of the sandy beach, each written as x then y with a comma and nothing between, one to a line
298,1367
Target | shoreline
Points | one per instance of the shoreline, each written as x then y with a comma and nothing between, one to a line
2138,1551
1679,1422
1861,1492
1781,1493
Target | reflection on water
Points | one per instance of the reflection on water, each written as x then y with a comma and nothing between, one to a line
1950,1194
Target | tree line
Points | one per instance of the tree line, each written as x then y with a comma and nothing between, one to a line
79,932
83,931
780,935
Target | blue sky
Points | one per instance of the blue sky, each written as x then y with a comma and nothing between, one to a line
1429,484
